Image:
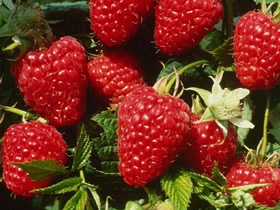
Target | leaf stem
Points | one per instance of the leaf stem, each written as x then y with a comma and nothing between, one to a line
228,19
82,175
265,128
182,70
24,114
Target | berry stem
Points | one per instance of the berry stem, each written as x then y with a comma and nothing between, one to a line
82,175
182,70
264,7
265,129
24,114
228,18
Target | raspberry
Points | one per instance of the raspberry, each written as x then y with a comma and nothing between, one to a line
54,81
152,132
114,22
256,44
181,25
242,174
207,146
25,142
115,75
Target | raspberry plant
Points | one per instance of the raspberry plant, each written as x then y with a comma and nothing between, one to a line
140,104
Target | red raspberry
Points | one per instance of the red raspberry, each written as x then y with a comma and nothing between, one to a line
25,142
115,22
256,51
181,25
115,75
54,81
152,132
242,174
207,146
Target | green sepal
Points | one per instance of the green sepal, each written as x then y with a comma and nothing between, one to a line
40,170
218,176
64,186
132,205
204,94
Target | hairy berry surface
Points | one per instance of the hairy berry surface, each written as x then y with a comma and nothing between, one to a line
256,51
152,132
242,174
115,75
208,146
181,25
54,81
114,22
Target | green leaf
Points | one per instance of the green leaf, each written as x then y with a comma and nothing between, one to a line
83,150
178,187
108,121
78,201
247,111
106,145
9,4
64,186
218,176
247,188
211,41
95,196
204,181
40,170
223,53
205,194
275,122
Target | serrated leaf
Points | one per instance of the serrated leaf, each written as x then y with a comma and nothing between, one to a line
83,150
108,121
246,114
204,181
40,170
211,41
223,53
177,185
78,201
205,194
64,186
218,176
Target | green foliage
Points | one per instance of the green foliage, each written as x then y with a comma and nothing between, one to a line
64,186
78,201
275,122
218,176
106,145
40,170
178,187
83,150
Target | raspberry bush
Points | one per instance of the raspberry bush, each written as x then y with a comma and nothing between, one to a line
153,104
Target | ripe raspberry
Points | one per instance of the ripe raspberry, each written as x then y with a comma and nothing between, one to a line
152,132
25,142
242,174
256,44
207,146
115,22
181,25
54,81
115,75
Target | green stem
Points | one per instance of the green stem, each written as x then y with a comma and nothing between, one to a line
22,113
229,25
265,129
182,70
82,175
